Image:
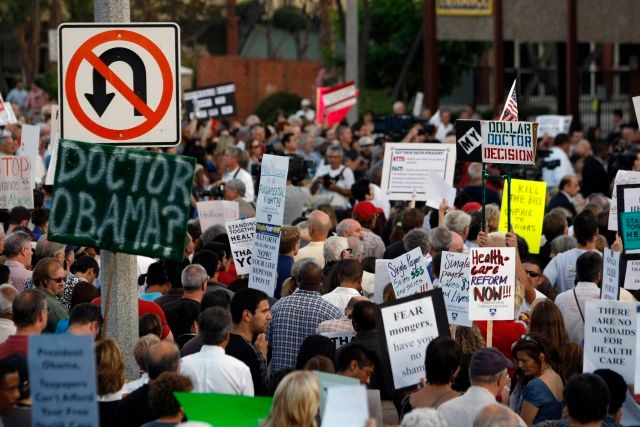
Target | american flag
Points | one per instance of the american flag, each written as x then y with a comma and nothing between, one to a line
510,111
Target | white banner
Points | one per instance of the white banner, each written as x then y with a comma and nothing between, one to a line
552,125
241,234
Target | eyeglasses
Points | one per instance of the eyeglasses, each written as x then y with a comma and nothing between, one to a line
533,274
253,147
57,279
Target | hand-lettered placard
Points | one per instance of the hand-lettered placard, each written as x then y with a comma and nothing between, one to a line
493,282
528,200
455,269
122,200
610,288
509,142
16,187
241,234
217,212
409,273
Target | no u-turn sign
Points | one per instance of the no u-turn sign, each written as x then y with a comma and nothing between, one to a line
120,83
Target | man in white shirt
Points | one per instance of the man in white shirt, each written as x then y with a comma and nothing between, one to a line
7,327
334,180
211,370
489,378
559,154
350,276
231,158
445,126
319,225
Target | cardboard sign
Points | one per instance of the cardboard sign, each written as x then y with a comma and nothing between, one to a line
622,178
552,125
509,142
381,280
406,168
493,284
224,410
30,148
610,337
213,102
409,325
528,199
241,234
62,377
346,406
269,215
7,116
630,270
468,140
122,200
16,187
333,103
455,270
409,273
340,338
217,212
630,231
610,288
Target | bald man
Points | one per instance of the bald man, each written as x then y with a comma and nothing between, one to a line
457,243
496,415
319,225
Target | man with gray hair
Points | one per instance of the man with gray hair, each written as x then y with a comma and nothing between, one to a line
440,239
17,248
183,313
7,327
335,248
235,190
334,179
231,159
211,370
474,188
416,238
209,235
496,415
458,222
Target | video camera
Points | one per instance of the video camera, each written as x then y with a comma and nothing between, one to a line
215,193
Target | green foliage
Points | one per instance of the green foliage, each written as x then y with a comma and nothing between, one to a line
290,18
80,10
49,82
377,100
267,110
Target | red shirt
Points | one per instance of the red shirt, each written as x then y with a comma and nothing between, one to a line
505,334
227,277
145,307
15,344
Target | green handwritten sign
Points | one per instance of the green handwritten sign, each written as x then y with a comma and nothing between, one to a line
223,410
630,222
122,200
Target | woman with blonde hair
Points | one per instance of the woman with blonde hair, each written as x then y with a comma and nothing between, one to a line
110,372
492,217
296,401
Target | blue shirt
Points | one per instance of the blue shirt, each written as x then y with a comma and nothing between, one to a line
285,262
538,394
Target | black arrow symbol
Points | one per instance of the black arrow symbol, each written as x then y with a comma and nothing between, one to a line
100,99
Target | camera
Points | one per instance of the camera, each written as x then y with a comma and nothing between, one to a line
215,193
299,169
327,180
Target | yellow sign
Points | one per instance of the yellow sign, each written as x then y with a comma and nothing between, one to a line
464,7
527,210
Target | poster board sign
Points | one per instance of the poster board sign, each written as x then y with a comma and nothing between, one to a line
610,337
62,377
340,338
217,212
328,381
409,324
16,186
636,107
630,272
269,216
630,231
610,288
455,270
225,410
406,168
333,103
552,124
509,142
469,140
493,282
622,178
628,198
122,200
241,234
409,273
381,280
464,7
213,102
346,406
7,116
29,147
528,200
436,190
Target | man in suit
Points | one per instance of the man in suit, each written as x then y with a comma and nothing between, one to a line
595,178
569,188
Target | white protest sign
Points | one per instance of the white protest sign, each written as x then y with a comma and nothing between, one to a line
417,104
610,288
409,273
7,116
340,338
622,177
632,275
217,212
437,189
552,124
493,284
269,216
328,381
241,234
346,406
29,148
409,325
636,106
381,280
62,377
509,142
407,166
16,187
610,337
53,145
455,270
636,378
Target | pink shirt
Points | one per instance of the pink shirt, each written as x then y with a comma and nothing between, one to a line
18,274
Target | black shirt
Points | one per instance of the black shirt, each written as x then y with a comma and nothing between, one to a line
244,351
134,409
180,316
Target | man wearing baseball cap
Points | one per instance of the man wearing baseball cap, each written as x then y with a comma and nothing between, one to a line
366,213
489,379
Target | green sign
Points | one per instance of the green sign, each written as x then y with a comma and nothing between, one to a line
630,222
122,200
224,410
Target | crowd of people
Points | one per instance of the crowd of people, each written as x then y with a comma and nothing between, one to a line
201,329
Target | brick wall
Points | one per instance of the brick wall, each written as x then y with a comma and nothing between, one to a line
255,78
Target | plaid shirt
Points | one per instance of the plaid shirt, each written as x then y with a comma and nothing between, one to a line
293,319
373,244
19,274
70,282
342,324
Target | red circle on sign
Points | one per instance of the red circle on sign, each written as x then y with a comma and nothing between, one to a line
85,52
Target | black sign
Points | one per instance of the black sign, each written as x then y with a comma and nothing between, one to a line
214,102
468,140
